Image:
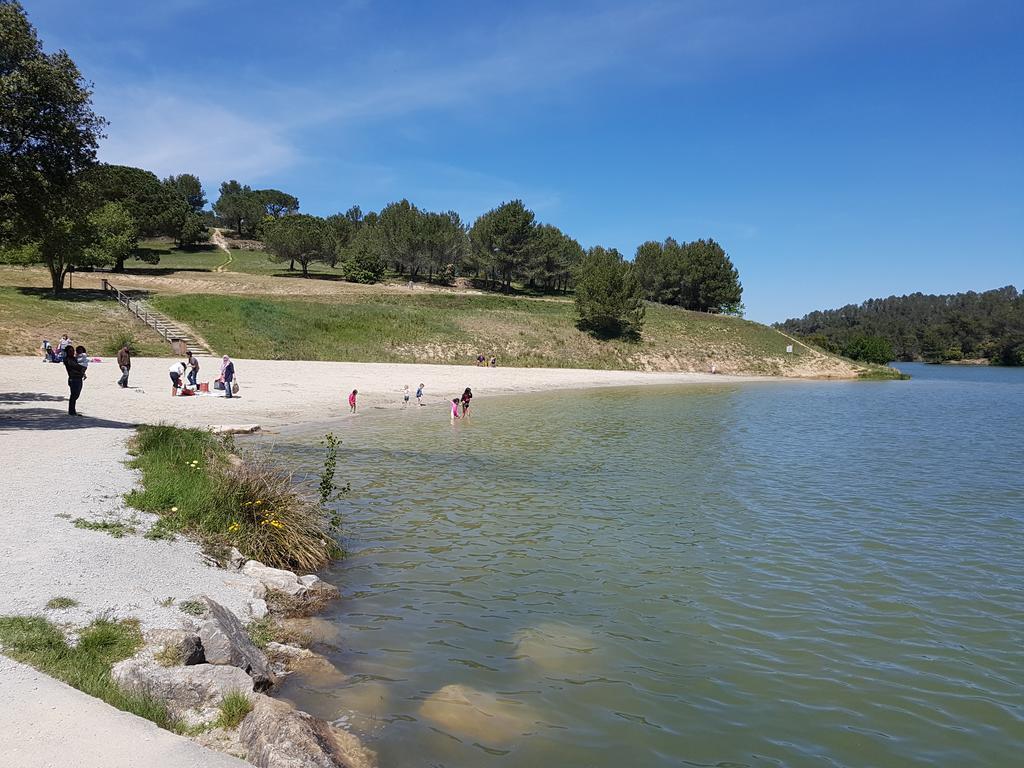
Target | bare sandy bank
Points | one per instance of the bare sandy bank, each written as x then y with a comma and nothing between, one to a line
275,392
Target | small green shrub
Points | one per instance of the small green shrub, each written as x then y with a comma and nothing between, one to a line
60,603
113,345
233,709
262,631
192,607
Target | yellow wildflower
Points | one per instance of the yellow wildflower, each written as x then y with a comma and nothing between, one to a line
174,509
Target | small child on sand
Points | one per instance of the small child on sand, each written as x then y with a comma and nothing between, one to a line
419,394
455,409
352,400
405,396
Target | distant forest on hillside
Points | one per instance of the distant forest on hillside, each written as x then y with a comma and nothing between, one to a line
919,327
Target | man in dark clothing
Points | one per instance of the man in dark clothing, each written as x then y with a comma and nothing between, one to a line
193,372
124,362
76,377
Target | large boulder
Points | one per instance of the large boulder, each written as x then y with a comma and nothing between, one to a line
274,578
225,641
192,693
276,735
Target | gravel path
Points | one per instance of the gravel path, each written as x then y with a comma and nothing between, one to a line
50,725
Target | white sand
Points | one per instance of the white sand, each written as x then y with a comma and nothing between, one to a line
57,467
277,392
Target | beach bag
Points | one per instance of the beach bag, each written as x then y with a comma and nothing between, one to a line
234,387
218,384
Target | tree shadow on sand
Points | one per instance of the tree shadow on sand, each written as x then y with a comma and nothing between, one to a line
30,397
51,419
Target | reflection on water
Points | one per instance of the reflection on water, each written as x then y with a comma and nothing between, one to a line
768,574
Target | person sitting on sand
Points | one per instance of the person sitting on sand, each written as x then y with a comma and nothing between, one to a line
455,409
419,394
48,354
63,343
466,397
177,370
481,360
494,362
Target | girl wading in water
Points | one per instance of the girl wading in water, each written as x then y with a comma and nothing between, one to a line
455,409
466,397
352,401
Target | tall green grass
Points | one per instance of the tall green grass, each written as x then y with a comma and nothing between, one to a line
191,481
454,328
85,666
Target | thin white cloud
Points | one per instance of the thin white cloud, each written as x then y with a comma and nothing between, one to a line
171,134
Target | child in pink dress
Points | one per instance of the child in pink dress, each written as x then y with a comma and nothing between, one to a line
455,409
352,400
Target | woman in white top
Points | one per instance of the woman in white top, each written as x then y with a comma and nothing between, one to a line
177,371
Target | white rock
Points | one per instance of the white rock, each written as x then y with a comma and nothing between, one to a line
274,578
258,608
308,581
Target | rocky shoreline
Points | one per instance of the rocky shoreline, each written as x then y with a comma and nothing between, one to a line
192,669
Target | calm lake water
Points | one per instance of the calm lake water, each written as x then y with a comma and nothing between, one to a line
790,574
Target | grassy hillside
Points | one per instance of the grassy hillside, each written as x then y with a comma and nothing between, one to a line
90,318
454,328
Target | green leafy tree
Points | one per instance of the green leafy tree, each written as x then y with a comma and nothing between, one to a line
277,203
114,235
192,230
154,207
444,243
187,187
300,238
48,136
870,349
362,259
553,257
710,281
609,299
399,237
502,239
240,206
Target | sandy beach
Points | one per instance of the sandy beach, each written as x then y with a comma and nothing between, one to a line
275,392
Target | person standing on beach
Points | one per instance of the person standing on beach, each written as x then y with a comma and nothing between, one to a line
466,397
419,394
455,409
124,362
76,378
405,396
227,373
193,369
352,401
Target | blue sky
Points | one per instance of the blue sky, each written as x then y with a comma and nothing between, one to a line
838,150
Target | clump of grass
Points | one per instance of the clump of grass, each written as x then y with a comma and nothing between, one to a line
294,606
169,656
262,632
86,666
192,607
60,603
116,529
123,338
188,480
233,709
162,530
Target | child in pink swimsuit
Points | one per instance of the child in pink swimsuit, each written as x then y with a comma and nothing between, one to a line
352,400
455,409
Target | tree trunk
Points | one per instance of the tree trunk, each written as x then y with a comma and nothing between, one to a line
119,266
291,267
56,277
305,269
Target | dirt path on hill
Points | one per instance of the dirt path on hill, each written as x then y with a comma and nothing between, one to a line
217,238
